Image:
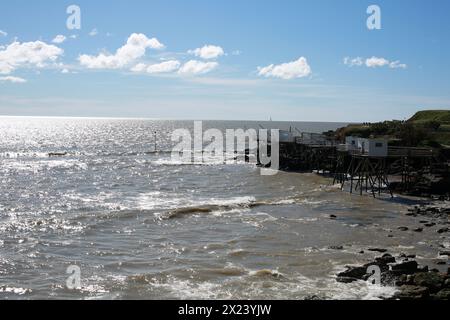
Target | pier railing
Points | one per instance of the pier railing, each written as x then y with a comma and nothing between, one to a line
410,152
392,151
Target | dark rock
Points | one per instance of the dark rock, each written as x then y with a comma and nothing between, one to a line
333,216
346,279
444,253
390,236
443,230
418,230
444,294
402,280
361,252
441,263
408,292
353,272
385,259
403,228
384,267
377,250
313,297
422,269
447,283
431,280
57,154
432,224
407,267
411,256
410,279
336,247
434,270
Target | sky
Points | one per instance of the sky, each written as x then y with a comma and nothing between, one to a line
226,60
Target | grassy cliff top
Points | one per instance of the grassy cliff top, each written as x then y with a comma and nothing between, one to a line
442,116
425,128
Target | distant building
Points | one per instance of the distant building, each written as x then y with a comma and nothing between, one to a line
286,136
367,147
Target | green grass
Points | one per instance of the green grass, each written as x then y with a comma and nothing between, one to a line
442,116
425,128
442,137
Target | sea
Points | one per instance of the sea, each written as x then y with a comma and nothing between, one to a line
112,205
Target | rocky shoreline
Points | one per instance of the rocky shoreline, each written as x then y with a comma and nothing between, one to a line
403,271
413,281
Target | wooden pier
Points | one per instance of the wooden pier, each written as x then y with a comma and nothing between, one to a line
364,165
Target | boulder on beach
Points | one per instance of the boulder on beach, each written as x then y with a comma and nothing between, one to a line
444,294
409,292
406,267
431,280
352,274
385,259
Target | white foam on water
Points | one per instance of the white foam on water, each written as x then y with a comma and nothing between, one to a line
284,201
15,290
17,155
304,220
186,289
270,284
159,200
311,202
41,165
405,247
233,201
257,219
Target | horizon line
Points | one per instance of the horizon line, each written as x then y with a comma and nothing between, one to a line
162,119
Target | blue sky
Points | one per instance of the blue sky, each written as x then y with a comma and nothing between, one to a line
288,60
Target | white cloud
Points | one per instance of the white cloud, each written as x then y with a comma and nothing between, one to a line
74,36
140,67
59,39
208,52
3,33
134,48
163,67
287,71
194,67
167,66
397,65
93,33
25,54
65,70
358,61
374,62
236,53
13,79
